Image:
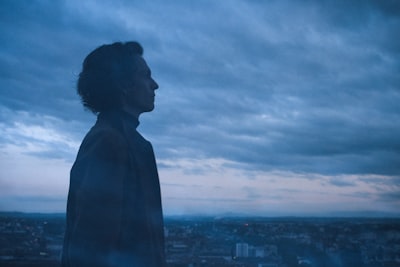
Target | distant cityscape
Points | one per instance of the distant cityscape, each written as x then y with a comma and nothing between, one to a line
36,240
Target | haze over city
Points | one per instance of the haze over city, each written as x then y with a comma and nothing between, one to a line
272,108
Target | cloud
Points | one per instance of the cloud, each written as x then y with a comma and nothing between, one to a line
37,134
31,183
316,95
391,197
307,88
341,182
264,192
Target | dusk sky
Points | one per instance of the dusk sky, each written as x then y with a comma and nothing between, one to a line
264,107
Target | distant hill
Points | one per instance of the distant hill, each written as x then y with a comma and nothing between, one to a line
33,214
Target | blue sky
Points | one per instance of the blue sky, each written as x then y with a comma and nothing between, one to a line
264,107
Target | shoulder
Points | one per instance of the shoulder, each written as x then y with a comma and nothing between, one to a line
104,142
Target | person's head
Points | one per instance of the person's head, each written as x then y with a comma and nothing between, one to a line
116,76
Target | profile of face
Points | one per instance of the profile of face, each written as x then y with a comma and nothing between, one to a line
139,95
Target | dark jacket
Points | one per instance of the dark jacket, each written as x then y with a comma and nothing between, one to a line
114,214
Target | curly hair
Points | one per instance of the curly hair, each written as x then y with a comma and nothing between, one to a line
105,72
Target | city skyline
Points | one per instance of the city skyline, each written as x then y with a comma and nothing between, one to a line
274,108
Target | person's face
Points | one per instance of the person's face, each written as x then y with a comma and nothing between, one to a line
140,95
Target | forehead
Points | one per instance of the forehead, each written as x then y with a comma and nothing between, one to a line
140,65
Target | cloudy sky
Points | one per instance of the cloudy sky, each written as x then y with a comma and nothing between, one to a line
264,107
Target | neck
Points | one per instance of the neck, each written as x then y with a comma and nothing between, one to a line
130,117
132,112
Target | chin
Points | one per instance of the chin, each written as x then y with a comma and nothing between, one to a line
149,109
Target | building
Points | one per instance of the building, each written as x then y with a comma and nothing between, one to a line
242,250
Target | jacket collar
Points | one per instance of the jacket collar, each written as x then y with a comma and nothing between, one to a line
118,117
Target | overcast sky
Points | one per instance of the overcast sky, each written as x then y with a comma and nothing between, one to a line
264,107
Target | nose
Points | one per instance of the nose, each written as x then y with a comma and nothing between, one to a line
155,85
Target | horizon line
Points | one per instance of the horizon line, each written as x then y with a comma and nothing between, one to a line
356,214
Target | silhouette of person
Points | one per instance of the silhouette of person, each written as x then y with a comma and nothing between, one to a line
114,212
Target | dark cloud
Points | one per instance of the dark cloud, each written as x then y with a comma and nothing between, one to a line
304,87
342,182
327,93
393,197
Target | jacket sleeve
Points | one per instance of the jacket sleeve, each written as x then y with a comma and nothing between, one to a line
97,186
